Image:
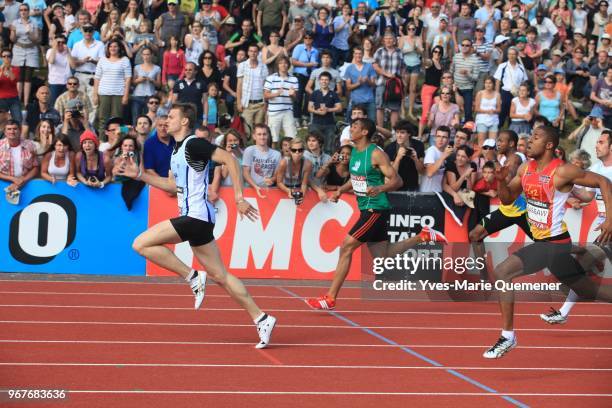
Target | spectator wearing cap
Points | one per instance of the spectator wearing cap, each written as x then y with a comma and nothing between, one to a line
521,45
112,83
93,167
304,59
548,35
243,38
556,62
251,76
271,16
9,95
86,54
58,59
602,96
18,159
295,35
40,109
488,18
158,150
74,122
499,52
83,19
508,78
172,23
303,10
538,78
25,36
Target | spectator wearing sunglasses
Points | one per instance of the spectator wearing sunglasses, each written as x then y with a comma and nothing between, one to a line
58,58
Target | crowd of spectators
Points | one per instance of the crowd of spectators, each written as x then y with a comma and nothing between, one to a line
83,82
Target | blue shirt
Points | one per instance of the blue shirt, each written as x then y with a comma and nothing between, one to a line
301,54
482,14
211,119
40,5
371,4
340,40
77,35
365,92
156,155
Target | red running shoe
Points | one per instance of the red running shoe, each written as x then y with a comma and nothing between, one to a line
321,303
431,235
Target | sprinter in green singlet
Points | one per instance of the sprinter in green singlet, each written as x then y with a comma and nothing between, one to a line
369,168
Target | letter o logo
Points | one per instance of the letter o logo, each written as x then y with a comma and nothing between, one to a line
43,229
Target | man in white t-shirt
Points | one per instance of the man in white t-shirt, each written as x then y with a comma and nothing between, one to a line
547,31
259,162
435,156
58,57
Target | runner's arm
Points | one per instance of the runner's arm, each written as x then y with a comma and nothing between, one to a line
225,158
508,191
392,180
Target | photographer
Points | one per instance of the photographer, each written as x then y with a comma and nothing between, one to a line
74,123
233,143
73,93
406,155
336,171
127,148
293,172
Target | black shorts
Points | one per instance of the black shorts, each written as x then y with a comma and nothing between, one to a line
556,256
196,231
371,226
497,221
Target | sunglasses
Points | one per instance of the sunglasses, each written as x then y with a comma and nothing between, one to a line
153,102
436,52
88,30
445,93
488,148
411,28
297,150
72,83
549,82
466,45
61,42
207,58
6,55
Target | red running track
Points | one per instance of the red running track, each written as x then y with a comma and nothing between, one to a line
141,344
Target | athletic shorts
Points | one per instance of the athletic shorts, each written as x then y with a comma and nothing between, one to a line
196,231
497,221
371,226
555,255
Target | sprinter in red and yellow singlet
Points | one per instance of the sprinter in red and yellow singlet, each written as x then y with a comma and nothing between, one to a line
547,183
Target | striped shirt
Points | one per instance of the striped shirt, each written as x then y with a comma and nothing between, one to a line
469,63
487,47
112,76
275,83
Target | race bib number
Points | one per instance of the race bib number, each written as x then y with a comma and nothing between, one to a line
537,212
359,185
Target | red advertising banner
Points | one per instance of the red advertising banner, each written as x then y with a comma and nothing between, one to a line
302,242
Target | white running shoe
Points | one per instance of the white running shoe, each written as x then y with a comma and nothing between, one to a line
264,329
554,317
198,287
500,348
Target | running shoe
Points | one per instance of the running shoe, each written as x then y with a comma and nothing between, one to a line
500,348
264,329
198,287
321,303
431,235
554,317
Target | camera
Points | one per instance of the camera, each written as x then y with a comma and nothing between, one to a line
234,145
298,196
340,157
75,113
128,155
93,179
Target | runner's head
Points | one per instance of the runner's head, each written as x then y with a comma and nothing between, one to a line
181,118
361,128
544,140
507,141
603,148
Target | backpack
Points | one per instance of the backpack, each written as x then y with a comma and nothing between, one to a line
394,90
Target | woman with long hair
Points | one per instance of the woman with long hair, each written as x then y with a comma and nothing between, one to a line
487,107
272,51
9,94
25,36
323,32
194,43
130,20
100,16
174,63
55,21
127,146
146,79
561,16
443,113
233,143
58,162
112,83
522,111
412,49
336,171
209,71
369,49
433,73
460,177
112,22
43,136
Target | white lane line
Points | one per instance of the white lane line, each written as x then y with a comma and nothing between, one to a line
348,393
342,345
299,366
221,309
299,326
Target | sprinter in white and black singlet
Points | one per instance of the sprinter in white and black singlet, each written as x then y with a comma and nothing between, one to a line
188,179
